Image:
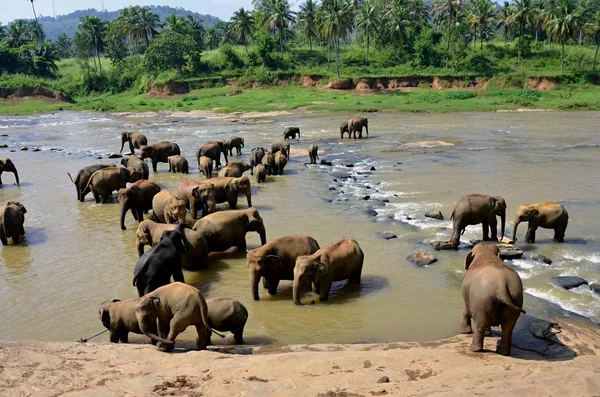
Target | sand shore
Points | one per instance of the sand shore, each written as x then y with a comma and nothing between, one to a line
566,364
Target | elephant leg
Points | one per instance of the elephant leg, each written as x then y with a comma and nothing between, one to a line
457,227
324,288
16,238
465,327
265,283
203,338
273,284
96,197
105,199
506,341
241,244
140,213
154,164
3,236
177,325
494,228
355,277
238,334
249,199
559,234
124,337
114,337
485,226
481,326
530,235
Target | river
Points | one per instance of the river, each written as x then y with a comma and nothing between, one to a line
75,256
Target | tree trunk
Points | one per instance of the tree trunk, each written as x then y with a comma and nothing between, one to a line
328,53
448,48
367,56
537,31
505,36
596,54
580,36
281,41
98,54
562,62
310,45
337,56
395,48
481,38
548,42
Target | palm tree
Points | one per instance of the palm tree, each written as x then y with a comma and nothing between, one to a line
196,27
335,22
93,32
176,24
503,20
397,24
563,26
146,25
64,44
213,38
447,11
18,33
242,26
278,17
549,9
419,12
368,19
539,17
43,60
2,32
37,32
307,21
523,13
483,13
592,28
37,25
585,12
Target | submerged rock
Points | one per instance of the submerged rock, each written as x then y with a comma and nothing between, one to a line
540,258
443,245
366,197
3,146
340,175
23,148
371,212
115,155
422,258
372,169
595,287
569,282
326,162
387,235
434,215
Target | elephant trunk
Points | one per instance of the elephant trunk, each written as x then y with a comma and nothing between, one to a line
14,171
263,235
124,209
140,248
296,292
514,232
503,223
147,331
122,145
254,279
249,199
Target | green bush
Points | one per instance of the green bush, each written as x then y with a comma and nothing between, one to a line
460,95
429,97
232,59
171,50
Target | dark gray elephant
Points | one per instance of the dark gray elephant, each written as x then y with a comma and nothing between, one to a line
356,124
83,177
475,209
6,165
291,132
12,218
135,139
256,156
545,215
493,295
213,151
280,145
137,164
159,152
343,129
237,143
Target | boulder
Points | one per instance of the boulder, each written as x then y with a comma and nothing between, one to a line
36,149
569,282
443,245
386,235
383,379
349,165
3,146
371,212
422,258
23,148
595,287
115,155
340,175
508,251
363,86
435,215
540,258
372,169
326,162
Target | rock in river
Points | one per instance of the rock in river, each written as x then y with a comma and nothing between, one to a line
509,251
435,215
540,258
422,258
443,245
115,155
386,235
569,282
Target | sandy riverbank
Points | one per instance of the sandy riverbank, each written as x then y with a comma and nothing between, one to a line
563,365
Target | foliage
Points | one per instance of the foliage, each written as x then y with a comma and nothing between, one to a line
171,50
116,42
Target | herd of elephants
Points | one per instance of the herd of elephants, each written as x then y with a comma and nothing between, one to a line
492,291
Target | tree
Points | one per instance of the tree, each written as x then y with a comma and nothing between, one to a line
176,24
170,50
483,13
146,25
523,15
43,60
213,38
563,26
64,45
18,33
37,26
503,20
368,19
196,28
592,28
447,12
397,24
241,26
335,22
307,21
115,42
93,32
36,32
277,17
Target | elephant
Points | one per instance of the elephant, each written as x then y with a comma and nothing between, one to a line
198,196
155,267
290,133
546,215
256,156
237,143
275,261
336,262
234,169
493,295
12,218
6,165
137,164
268,161
261,173
478,208
356,124
226,314
213,151
205,164
173,308
280,145
227,189
137,197
159,152
313,151
149,233
280,163
178,163
135,139
83,177
167,208
103,182
225,229
343,129
118,316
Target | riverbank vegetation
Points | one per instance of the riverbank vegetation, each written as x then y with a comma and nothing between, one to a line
133,61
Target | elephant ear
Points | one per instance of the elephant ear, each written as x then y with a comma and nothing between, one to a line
468,260
105,317
274,261
319,270
116,300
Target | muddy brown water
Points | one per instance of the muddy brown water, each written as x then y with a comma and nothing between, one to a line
76,256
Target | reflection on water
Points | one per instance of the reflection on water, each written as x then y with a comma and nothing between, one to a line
75,255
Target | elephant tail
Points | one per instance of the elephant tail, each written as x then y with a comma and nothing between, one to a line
452,216
71,177
506,300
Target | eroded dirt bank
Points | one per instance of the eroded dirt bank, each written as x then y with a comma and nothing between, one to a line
566,365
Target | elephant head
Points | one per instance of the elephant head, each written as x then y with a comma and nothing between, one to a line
177,237
6,165
206,194
242,142
525,213
307,271
146,151
224,147
241,185
125,136
134,175
147,310
143,235
261,264
127,199
499,206
175,209
255,224
17,204
104,312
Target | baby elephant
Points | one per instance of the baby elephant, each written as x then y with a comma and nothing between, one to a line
493,295
225,314
544,215
119,318
177,164
12,218
313,153
261,173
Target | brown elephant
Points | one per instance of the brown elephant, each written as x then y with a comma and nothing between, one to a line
279,145
150,233
343,129
237,143
356,124
105,181
213,151
118,316
228,189
227,315
256,156
83,177
167,208
493,295
137,197
545,215
268,161
6,165
261,173
137,164
275,261
206,165
174,307
12,218
198,196
177,164
291,132
280,163
342,260
313,153
225,229
234,169
159,152
478,208
135,139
